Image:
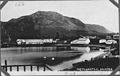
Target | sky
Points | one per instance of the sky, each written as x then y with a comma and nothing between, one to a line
101,12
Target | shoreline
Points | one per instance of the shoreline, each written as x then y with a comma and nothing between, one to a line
57,45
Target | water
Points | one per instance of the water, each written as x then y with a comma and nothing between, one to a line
56,57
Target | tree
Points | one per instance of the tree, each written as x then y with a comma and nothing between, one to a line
57,35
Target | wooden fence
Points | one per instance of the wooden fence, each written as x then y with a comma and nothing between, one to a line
10,67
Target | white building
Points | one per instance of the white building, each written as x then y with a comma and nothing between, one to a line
108,41
102,40
111,42
116,36
81,41
34,41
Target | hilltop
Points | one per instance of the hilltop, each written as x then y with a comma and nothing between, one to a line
48,24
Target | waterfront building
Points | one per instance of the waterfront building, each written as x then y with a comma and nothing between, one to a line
34,41
116,36
102,40
81,41
111,42
108,41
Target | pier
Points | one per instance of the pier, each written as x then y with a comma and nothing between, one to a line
38,67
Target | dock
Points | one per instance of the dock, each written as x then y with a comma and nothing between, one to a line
38,67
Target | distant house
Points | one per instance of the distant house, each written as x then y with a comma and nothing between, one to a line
108,41
108,37
91,37
102,40
116,36
111,42
61,41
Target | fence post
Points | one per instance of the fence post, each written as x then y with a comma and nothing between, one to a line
37,68
5,65
31,68
44,62
17,68
10,68
43,66
24,68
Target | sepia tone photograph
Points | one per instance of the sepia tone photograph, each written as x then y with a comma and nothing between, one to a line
58,37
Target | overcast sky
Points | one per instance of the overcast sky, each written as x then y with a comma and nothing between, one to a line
100,12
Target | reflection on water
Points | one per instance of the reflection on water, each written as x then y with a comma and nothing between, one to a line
81,49
55,56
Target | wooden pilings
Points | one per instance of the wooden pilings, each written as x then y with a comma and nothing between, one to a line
10,68
25,67
43,67
31,68
17,68
37,68
5,65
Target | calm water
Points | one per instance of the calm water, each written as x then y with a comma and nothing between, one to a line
56,57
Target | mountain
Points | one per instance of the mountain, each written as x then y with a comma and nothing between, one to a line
93,28
47,24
